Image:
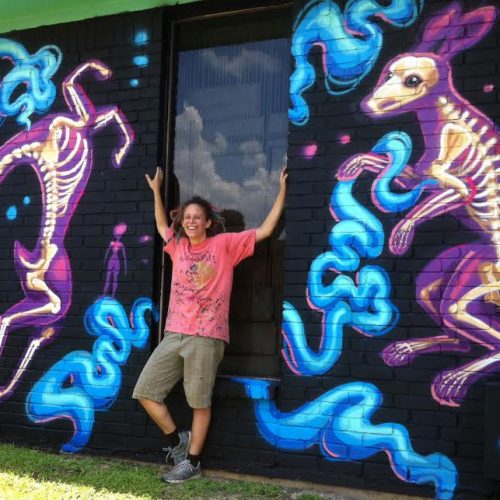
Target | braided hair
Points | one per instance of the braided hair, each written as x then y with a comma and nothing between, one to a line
218,222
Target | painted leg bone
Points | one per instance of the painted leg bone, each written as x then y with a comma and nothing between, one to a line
404,352
431,286
35,343
110,115
354,166
451,386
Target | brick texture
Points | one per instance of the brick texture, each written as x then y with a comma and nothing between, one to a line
339,129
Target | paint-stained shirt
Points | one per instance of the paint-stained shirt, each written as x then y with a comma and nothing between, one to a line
202,278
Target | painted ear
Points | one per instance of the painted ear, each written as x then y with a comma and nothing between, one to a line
438,28
451,32
473,27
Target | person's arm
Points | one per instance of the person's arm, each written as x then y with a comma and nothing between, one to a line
270,222
160,217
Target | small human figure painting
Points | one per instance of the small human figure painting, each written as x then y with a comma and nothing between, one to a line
112,260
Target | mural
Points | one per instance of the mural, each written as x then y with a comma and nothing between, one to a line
348,285
460,288
27,87
59,150
456,174
350,42
339,421
82,382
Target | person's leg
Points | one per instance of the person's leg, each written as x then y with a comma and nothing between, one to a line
202,357
199,429
162,371
160,415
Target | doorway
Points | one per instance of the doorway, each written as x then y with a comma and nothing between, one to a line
228,141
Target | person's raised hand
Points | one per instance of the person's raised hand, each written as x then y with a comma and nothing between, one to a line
155,183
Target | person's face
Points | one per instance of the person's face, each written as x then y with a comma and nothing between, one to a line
195,223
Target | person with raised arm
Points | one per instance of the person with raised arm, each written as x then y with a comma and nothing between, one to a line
196,329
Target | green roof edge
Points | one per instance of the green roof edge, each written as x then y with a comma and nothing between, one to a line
25,14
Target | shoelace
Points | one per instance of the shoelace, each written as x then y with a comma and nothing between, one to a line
170,451
185,465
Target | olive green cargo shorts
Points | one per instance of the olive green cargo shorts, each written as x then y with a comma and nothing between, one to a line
191,357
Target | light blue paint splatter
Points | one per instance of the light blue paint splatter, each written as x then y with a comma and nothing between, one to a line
142,61
11,212
134,82
141,38
26,200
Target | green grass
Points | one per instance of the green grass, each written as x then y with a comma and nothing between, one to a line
39,475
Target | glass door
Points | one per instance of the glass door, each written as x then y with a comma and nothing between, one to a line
229,144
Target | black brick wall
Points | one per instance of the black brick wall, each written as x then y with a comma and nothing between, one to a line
114,196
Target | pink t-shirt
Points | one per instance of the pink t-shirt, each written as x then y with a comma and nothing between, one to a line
202,278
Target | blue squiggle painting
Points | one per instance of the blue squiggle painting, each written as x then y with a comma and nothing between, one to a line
363,304
34,71
339,422
350,41
83,382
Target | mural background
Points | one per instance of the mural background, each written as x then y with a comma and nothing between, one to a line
110,245
336,130
109,241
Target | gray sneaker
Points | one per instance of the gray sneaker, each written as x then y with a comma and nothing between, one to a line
178,454
182,472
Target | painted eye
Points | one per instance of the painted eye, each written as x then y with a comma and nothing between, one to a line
413,81
388,76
